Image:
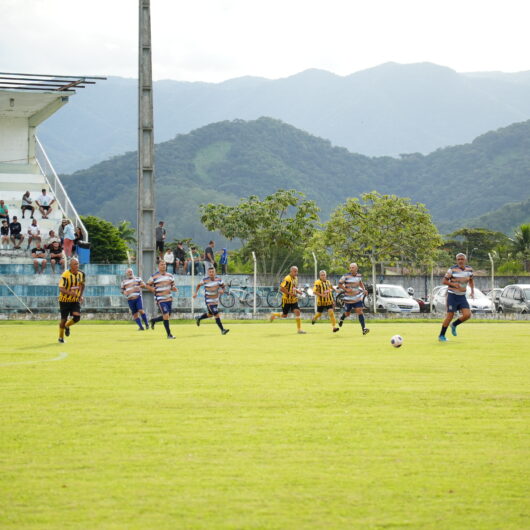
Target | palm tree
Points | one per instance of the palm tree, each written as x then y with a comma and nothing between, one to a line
521,243
127,234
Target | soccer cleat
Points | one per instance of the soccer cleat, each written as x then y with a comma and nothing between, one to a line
366,331
442,338
453,330
313,321
146,326
301,332
67,331
225,331
141,329
170,337
335,330
153,323
198,321
61,340
340,323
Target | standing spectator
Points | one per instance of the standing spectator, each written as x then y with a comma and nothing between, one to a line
209,257
39,258
52,238
160,236
4,212
180,257
44,202
15,230
196,259
4,234
27,205
69,237
169,258
56,255
61,230
33,232
79,236
223,260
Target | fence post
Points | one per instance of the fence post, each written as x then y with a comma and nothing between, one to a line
374,280
492,277
192,284
255,282
432,288
316,278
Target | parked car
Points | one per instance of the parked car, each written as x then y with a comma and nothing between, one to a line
494,296
392,299
423,303
480,304
515,298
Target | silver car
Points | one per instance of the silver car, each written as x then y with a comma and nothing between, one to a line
515,299
480,304
392,299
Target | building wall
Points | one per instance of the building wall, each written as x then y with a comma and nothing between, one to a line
14,140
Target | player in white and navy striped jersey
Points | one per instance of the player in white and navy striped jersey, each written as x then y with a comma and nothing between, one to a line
131,287
354,293
213,288
162,284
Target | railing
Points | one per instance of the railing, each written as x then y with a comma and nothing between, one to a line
57,187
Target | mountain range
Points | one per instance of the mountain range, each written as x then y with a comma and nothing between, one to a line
386,110
225,161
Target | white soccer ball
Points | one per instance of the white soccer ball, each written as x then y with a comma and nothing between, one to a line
396,341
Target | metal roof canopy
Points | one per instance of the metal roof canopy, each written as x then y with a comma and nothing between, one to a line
45,82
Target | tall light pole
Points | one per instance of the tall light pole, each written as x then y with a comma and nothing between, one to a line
145,255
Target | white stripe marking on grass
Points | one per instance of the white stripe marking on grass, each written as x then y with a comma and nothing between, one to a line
60,357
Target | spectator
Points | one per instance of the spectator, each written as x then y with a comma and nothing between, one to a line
50,240
69,238
39,258
4,234
61,230
209,257
33,232
56,255
196,261
27,205
15,230
181,259
223,260
4,212
79,236
160,236
169,258
44,202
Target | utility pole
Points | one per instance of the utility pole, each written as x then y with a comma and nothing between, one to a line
145,256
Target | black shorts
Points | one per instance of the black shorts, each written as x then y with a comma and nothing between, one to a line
26,207
69,308
323,308
287,308
160,246
46,207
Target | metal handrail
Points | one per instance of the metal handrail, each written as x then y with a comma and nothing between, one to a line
57,187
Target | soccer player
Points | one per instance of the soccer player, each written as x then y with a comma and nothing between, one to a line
162,284
131,287
71,287
324,293
213,288
290,292
354,291
457,278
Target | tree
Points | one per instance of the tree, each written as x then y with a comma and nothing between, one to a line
381,228
106,243
127,234
276,228
476,243
521,243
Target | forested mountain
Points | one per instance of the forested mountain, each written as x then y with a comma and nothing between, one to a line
225,161
386,110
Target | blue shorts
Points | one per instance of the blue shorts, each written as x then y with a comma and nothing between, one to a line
135,305
165,307
349,307
212,309
456,302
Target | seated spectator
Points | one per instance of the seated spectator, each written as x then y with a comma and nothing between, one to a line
15,231
196,262
4,212
39,258
4,234
51,239
27,205
180,257
56,255
169,258
69,237
33,232
44,202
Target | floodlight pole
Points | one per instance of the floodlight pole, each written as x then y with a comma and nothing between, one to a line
492,275
145,255
255,281
316,277
374,280
192,283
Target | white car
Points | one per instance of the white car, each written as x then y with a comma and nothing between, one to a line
480,304
392,299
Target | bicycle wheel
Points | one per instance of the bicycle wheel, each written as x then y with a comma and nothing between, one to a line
339,301
274,299
227,300
304,301
249,299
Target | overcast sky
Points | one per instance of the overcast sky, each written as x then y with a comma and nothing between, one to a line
215,40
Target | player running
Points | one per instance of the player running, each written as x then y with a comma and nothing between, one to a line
457,278
162,284
213,288
71,287
354,292
324,293
290,292
131,287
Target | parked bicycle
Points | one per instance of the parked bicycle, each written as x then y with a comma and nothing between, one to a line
274,298
244,295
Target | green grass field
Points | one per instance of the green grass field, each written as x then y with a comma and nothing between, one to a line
264,428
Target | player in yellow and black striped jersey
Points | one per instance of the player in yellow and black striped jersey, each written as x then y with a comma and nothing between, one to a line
71,288
290,292
323,290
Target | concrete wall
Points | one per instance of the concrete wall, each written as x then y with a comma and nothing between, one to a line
14,140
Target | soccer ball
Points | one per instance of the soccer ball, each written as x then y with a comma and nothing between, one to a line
396,341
